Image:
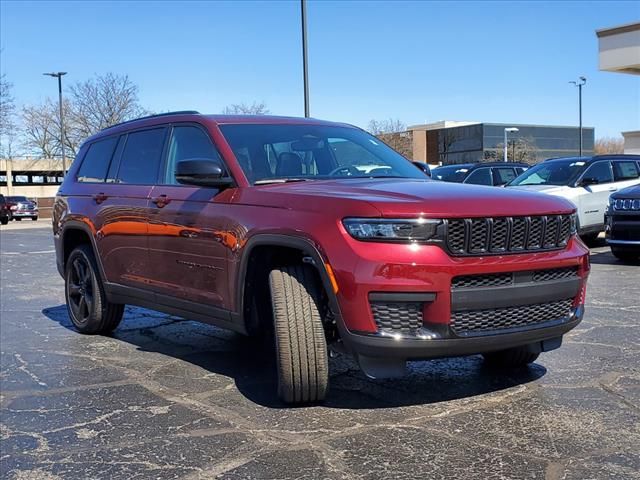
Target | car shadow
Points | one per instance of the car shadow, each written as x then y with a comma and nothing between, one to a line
605,257
250,363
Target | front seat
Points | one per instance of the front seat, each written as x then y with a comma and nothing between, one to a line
289,165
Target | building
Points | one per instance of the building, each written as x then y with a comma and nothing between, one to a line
619,51
463,142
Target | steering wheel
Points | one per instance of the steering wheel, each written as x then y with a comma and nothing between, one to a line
346,171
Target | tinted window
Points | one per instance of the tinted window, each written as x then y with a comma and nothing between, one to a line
188,142
625,170
307,152
555,172
600,171
503,175
141,157
481,176
96,161
451,173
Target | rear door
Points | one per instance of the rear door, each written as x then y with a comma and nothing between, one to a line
503,175
122,204
593,198
625,173
188,238
480,176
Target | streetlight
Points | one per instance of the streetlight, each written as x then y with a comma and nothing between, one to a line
581,81
59,75
305,71
506,131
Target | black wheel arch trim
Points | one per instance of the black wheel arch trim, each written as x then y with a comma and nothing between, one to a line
303,244
77,225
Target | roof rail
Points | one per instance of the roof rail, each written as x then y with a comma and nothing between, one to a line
156,115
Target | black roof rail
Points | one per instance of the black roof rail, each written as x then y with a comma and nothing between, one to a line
156,115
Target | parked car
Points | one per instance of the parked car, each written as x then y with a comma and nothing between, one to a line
622,223
265,226
22,207
490,173
585,181
5,213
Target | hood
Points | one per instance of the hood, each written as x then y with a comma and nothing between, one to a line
548,189
629,192
404,198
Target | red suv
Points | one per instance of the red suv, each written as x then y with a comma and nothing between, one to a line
317,234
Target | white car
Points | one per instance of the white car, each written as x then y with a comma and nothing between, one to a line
586,181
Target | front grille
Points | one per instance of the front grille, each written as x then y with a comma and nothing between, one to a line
554,274
479,236
477,322
480,281
626,204
397,317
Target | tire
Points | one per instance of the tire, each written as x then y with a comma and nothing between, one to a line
511,358
625,255
4,220
34,218
301,347
17,219
590,238
87,304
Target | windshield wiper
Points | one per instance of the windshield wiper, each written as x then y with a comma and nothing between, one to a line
266,181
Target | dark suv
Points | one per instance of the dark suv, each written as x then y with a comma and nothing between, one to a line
494,174
317,234
5,213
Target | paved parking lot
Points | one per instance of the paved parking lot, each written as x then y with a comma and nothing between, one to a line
169,398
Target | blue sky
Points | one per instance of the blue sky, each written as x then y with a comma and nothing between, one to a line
415,61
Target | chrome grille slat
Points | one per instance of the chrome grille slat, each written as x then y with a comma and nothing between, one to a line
478,236
490,320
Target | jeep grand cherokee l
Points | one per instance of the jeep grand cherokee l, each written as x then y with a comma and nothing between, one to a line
277,226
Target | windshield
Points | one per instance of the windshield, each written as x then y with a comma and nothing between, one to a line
271,153
556,172
452,173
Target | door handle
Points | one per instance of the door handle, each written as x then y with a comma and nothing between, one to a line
99,197
161,201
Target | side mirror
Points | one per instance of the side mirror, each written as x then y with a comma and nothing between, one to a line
585,182
423,166
202,172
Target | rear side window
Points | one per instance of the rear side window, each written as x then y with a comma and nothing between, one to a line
599,171
625,171
141,157
481,176
96,161
188,142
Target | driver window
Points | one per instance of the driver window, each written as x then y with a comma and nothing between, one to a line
600,171
481,176
188,142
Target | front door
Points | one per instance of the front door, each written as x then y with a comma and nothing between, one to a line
593,199
188,242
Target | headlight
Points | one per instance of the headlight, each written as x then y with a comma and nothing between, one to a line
574,223
418,230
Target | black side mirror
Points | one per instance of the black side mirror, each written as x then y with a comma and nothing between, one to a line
423,166
202,172
585,182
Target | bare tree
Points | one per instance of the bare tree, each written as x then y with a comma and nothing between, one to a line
609,145
243,109
520,150
41,135
394,133
377,127
8,126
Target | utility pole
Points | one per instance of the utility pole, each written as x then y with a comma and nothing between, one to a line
580,83
59,75
305,67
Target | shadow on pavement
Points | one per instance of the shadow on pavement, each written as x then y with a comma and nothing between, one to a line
605,257
250,364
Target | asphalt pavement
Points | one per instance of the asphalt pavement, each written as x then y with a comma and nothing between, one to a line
166,398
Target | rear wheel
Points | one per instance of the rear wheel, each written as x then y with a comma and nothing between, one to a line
4,220
511,358
88,307
34,218
590,238
301,347
625,255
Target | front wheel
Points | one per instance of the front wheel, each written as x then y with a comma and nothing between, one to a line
301,347
4,220
17,219
34,218
88,307
511,358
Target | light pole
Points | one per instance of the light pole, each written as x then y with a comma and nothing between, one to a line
59,75
506,131
581,81
305,72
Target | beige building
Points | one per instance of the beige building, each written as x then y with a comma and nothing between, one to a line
37,179
619,51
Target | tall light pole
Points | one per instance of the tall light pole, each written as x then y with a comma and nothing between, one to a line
506,131
581,81
59,75
305,71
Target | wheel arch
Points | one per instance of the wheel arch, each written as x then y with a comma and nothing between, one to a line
75,233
